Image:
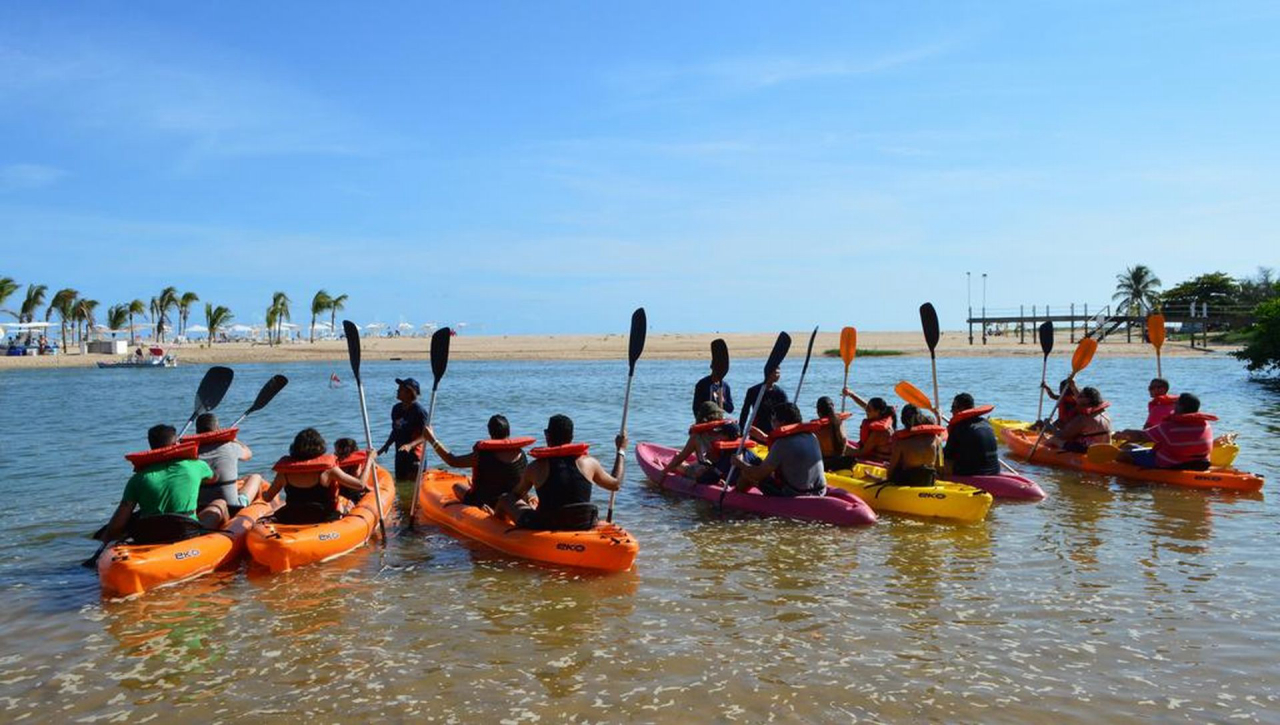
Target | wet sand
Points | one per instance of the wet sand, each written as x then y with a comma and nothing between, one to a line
665,345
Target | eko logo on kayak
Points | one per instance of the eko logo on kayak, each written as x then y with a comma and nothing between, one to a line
186,554
571,547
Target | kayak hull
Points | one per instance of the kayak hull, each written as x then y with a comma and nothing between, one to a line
1005,486
607,547
283,547
942,500
1020,443
837,507
128,570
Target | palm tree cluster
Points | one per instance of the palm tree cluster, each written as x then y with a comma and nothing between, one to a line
78,315
1137,288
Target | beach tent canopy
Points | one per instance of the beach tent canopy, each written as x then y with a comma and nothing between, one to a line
404,326
27,325
197,328
374,326
240,328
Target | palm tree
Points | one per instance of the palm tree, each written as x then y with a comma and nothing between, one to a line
64,303
335,306
272,314
136,307
162,303
280,303
184,310
31,304
321,302
84,314
7,288
215,318
1137,287
117,317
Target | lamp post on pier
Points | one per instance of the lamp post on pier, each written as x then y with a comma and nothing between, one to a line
984,308
968,295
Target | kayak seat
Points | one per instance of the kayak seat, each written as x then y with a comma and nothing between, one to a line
305,513
1192,466
571,517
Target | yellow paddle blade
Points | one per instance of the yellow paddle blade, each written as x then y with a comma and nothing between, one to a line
1102,453
913,395
1155,329
848,345
1083,355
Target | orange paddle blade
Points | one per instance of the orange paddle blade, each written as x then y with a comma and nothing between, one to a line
848,345
1102,453
1155,329
1083,355
913,395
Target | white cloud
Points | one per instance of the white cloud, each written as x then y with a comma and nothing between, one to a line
17,177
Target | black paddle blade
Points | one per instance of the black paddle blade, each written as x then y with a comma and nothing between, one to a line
440,352
929,321
214,386
809,353
352,334
1046,337
639,327
273,386
719,357
779,352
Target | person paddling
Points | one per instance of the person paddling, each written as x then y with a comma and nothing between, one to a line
832,438
971,448
164,490
310,478
223,452
408,418
496,464
875,433
916,449
350,459
563,475
794,464
1089,424
1067,397
774,397
1183,440
709,441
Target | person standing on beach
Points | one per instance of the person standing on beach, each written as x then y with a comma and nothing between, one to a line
773,398
408,418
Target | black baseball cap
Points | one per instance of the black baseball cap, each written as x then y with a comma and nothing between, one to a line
410,383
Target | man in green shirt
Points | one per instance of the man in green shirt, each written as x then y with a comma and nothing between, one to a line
167,489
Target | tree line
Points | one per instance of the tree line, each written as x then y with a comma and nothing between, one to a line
1249,304
78,315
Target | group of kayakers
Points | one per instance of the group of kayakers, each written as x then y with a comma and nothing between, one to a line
1175,434
184,486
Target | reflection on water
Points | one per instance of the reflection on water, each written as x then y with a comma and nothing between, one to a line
1107,602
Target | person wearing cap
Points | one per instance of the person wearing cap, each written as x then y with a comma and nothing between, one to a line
408,418
710,464
774,396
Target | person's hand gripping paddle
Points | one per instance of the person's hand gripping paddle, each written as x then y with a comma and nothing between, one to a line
1079,361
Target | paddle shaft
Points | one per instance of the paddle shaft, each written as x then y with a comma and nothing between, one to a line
844,400
742,442
1044,380
368,441
626,404
1044,425
422,464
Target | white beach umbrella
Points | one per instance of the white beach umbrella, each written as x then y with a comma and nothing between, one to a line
404,326
240,329
374,326
197,328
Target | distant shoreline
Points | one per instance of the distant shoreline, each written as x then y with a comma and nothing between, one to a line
667,346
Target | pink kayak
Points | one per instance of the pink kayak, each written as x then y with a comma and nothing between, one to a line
1004,485
837,507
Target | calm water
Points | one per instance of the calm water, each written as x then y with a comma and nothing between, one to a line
1107,602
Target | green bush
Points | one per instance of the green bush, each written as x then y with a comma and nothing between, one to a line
1262,352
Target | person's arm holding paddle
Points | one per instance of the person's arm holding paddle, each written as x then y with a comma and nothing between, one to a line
119,521
678,460
611,481
854,397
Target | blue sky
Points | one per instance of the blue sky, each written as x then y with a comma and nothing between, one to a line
547,167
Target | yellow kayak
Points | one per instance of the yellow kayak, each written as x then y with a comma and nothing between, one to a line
1223,455
942,500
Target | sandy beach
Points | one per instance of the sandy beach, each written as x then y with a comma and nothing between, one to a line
667,345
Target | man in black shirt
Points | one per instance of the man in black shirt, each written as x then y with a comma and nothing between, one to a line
714,388
971,442
773,397
408,418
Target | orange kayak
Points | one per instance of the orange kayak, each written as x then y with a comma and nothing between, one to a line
607,547
1020,443
281,547
127,570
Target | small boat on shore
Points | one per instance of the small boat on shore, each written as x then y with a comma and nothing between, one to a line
158,359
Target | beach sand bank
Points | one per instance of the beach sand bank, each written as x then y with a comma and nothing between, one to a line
667,345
